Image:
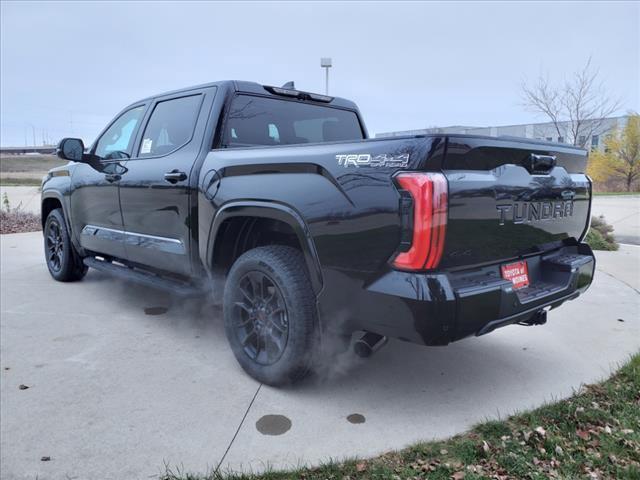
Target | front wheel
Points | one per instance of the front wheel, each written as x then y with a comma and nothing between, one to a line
270,316
63,262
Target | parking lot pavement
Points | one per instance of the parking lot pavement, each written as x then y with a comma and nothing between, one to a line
621,211
115,392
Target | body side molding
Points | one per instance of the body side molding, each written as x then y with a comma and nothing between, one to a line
164,244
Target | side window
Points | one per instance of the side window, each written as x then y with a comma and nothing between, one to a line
170,126
118,138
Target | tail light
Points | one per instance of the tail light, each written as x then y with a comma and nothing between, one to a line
429,194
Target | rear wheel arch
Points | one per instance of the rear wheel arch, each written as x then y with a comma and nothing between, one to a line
240,227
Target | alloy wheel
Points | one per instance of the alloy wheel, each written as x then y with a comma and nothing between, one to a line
260,318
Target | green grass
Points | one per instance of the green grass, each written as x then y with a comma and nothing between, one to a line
607,194
29,163
594,434
19,182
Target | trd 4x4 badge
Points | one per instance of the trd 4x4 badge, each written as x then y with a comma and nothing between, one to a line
366,160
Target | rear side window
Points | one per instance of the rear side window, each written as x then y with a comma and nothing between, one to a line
267,121
170,126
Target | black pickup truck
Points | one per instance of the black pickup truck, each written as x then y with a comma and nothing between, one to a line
320,232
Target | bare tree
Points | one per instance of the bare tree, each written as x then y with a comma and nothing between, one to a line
582,101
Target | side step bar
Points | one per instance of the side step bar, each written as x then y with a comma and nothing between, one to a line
146,278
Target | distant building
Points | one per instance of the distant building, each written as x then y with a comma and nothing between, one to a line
540,131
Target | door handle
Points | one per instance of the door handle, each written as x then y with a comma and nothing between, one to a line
175,176
112,177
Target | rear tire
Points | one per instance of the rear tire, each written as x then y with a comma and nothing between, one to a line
63,262
270,314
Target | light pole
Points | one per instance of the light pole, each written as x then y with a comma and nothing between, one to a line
325,62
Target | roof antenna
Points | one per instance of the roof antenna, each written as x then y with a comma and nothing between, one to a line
289,85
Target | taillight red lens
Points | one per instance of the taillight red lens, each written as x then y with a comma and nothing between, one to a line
429,193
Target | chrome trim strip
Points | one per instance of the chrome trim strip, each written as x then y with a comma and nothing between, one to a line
164,244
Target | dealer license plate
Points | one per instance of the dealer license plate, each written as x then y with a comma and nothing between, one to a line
516,272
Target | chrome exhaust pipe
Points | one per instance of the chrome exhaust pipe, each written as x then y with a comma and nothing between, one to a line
368,344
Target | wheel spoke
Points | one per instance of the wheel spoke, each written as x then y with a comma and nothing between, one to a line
246,295
249,334
262,355
243,307
279,327
276,341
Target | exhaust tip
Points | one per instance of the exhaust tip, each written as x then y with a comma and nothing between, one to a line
368,344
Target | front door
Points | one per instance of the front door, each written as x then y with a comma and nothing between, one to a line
95,206
156,190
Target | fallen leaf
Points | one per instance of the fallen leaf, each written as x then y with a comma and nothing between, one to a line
559,450
443,451
583,435
541,431
607,429
361,467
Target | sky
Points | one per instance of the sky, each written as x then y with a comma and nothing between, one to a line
66,68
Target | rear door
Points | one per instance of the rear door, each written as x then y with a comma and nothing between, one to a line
157,189
512,197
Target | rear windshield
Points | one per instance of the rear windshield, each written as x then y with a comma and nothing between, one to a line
267,121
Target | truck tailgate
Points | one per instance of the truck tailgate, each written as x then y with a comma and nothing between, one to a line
511,197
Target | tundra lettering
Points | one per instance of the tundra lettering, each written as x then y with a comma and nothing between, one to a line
526,212
325,239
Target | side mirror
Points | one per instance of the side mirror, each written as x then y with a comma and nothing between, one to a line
70,149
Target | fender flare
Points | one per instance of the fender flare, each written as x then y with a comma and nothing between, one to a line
56,195
275,211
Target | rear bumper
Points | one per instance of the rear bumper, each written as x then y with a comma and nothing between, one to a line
436,309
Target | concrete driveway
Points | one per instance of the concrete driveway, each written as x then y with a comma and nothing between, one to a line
623,213
123,379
